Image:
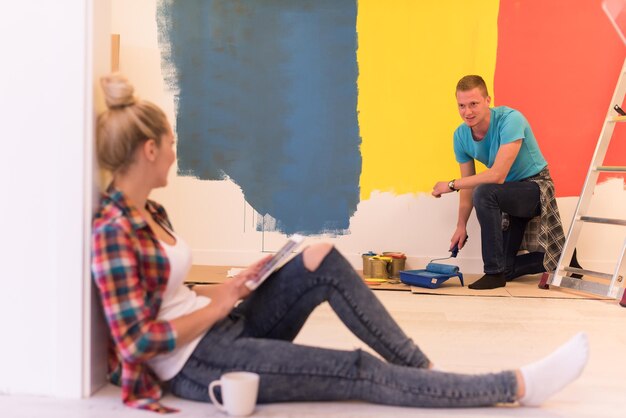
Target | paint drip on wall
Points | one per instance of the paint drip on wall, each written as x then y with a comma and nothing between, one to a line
266,95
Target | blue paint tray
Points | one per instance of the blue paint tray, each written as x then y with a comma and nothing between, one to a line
434,274
426,278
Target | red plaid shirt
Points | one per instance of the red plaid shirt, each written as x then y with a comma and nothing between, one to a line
131,271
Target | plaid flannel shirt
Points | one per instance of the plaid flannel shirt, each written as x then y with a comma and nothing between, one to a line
131,270
544,232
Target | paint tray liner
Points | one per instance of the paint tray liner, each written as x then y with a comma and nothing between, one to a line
426,278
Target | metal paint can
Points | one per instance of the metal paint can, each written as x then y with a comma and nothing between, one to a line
398,262
367,263
381,267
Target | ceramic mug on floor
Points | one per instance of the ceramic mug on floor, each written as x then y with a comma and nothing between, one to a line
239,393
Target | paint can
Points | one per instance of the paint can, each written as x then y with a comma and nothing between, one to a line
367,263
381,267
398,262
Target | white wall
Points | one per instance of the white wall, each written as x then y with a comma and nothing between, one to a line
219,225
45,92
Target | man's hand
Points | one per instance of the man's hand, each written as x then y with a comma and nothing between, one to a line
440,188
459,237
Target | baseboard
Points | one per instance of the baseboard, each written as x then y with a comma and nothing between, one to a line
244,258
468,265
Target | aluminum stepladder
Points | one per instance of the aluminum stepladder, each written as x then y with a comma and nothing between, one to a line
605,284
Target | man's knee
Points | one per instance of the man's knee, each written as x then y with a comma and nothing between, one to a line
314,254
483,193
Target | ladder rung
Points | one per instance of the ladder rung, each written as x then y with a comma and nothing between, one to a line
591,273
612,169
607,221
589,287
618,119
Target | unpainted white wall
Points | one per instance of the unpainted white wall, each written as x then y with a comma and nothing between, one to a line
46,112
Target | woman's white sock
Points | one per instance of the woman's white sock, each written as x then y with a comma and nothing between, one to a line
549,375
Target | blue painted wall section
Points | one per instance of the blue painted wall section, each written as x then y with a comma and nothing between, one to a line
266,95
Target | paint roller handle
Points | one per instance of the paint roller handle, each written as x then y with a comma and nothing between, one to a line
455,249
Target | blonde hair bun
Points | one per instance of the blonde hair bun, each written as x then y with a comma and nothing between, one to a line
126,124
118,92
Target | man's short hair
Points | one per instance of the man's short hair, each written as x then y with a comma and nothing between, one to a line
470,82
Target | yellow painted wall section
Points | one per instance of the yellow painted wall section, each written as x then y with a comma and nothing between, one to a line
411,55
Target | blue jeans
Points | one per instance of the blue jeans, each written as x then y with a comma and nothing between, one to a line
257,337
499,248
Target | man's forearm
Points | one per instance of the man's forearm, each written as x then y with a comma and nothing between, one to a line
465,207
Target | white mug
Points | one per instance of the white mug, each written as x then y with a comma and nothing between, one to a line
239,393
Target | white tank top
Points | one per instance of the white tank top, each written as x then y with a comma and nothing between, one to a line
178,300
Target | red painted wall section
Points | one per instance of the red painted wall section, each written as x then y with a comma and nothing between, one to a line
558,63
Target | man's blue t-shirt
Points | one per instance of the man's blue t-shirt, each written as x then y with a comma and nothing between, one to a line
506,125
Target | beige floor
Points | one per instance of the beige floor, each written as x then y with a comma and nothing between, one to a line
461,333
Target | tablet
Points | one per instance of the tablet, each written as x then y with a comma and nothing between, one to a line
276,261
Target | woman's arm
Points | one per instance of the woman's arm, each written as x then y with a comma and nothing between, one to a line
223,296
137,335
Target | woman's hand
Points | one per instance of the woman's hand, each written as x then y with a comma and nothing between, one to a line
226,295
252,272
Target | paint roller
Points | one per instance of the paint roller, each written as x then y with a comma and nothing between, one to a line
445,268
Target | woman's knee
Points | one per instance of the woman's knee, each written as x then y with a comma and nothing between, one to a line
314,254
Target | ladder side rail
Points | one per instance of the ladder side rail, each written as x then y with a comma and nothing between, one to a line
583,202
607,128
590,181
604,140
582,206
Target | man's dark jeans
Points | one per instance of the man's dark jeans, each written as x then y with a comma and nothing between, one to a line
521,201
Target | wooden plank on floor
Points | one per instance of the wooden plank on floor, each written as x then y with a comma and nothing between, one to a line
200,274
207,274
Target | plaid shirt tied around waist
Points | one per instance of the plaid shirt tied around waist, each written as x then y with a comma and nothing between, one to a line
544,232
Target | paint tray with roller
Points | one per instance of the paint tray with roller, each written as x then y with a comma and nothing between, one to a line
435,274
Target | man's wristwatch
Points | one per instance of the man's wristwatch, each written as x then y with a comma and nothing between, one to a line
451,186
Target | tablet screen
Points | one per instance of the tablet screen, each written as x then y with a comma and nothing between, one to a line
276,261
